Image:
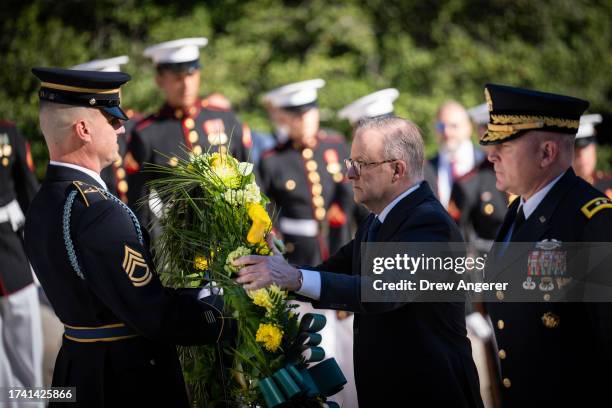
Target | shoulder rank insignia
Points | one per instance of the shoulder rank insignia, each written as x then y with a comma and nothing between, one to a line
86,189
595,205
136,267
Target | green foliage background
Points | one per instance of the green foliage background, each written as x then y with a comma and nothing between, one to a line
431,51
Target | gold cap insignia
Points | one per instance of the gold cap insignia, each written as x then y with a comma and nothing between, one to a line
136,267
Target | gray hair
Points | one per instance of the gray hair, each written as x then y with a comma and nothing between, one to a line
402,141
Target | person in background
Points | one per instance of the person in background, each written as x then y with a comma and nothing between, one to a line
185,123
457,155
585,155
114,175
304,176
21,341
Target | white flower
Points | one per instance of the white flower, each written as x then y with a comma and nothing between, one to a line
245,168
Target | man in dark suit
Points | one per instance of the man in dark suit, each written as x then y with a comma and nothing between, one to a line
92,258
550,353
406,354
457,155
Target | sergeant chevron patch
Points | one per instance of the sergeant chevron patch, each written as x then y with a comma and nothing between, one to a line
136,267
595,205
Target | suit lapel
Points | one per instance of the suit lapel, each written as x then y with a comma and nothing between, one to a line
402,211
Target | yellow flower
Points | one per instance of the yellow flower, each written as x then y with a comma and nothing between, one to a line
269,335
261,298
200,263
224,167
275,289
261,223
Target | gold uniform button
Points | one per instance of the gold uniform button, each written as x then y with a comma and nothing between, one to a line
318,201
547,297
193,136
7,150
317,189
314,177
178,113
320,214
118,162
311,165
507,383
173,161
334,168
500,295
5,162
197,150
501,324
488,209
502,354
122,186
307,153
120,173
338,177
290,185
189,123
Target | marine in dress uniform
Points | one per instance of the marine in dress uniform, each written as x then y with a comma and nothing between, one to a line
92,258
585,155
185,123
550,354
115,175
304,177
20,325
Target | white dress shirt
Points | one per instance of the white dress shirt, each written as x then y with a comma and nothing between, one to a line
311,280
89,172
464,163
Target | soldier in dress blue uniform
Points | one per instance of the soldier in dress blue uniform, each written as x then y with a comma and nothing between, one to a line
185,122
92,258
304,177
115,175
20,324
551,354
585,155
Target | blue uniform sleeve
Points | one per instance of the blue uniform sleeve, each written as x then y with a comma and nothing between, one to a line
120,272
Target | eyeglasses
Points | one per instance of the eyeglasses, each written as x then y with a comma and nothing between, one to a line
116,123
357,165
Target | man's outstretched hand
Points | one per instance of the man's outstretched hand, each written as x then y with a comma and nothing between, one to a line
258,271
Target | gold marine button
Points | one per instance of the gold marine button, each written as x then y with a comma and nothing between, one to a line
502,354
501,324
120,173
334,168
197,150
173,161
507,383
320,214
488,209
307,153
122,186
7,150
318,201
317,189
290,185
189,123
118,162
314,177
5,161
338,177
193,136
311,165
178,113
